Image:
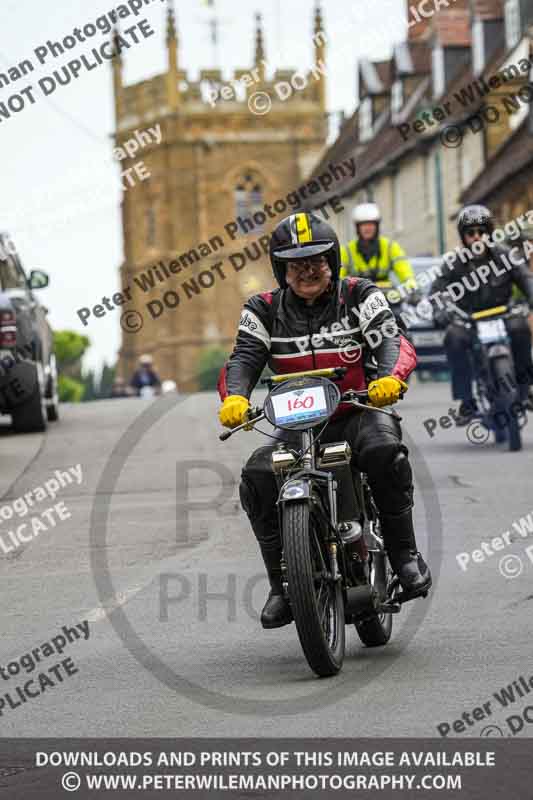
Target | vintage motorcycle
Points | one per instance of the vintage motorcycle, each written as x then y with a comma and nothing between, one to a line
496,389
334,566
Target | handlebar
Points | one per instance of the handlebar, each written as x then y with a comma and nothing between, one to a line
333,373
254,415
497,311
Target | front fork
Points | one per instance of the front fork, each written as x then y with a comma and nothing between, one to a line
295,490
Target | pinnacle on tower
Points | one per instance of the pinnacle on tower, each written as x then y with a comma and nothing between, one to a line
172,45
172,35
259,47
118,85
319,39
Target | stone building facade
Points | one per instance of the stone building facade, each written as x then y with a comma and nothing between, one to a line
220,157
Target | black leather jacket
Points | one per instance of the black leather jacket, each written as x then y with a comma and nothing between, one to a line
344,324
484,282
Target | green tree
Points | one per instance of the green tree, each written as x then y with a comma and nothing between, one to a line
69,348
211,361
70,390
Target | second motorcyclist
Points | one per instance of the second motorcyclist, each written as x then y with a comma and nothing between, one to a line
507,269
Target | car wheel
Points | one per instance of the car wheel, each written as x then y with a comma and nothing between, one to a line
31,416
52,394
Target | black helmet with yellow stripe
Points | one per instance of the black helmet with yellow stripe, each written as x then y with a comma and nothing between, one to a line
300,236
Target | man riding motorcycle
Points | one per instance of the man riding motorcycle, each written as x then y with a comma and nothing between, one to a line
376,257
296,328
507,269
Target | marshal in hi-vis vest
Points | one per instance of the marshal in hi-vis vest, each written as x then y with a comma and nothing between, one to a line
391,257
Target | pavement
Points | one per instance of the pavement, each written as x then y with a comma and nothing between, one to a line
157,557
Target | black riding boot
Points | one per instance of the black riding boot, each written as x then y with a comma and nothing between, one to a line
277,611
406,561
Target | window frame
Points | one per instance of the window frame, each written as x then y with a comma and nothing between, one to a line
478,46
397,98
513,23
438,71
366,122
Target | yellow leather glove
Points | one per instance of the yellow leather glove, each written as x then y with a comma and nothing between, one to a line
233,411
385,391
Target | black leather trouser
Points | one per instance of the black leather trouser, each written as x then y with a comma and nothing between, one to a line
458,345
377,449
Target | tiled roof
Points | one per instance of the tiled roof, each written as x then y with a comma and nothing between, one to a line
384,70
421,57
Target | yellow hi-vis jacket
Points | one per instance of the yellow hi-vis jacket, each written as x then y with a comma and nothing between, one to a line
391,257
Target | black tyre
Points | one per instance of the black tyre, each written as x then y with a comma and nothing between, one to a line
506,417
376,631
316,601
52,400
31,416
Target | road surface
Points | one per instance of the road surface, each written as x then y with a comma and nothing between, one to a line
160,562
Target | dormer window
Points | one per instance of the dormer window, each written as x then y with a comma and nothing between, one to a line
396,99
512,23
478,46
439,74
365,120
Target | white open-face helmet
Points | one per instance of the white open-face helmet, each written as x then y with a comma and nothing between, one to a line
366,212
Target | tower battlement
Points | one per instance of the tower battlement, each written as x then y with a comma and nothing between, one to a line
174,91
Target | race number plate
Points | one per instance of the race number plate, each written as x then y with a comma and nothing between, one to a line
492,330
300,405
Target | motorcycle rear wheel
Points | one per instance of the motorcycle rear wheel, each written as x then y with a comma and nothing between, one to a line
376,631
502,370
316,601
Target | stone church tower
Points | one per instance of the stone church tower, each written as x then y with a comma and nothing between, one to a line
217,161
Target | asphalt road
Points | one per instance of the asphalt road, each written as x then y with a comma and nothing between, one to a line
155,531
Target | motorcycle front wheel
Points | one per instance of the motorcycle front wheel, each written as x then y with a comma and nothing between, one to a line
316,600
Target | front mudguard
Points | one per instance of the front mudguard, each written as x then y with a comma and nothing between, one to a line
295,490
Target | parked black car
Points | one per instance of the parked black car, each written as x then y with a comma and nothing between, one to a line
28,373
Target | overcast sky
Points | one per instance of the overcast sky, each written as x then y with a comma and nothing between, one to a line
60,185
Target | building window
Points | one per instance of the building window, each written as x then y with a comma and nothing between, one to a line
397,203
512,23
249,197
429,187
396,99
365,120
478,46
439,73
